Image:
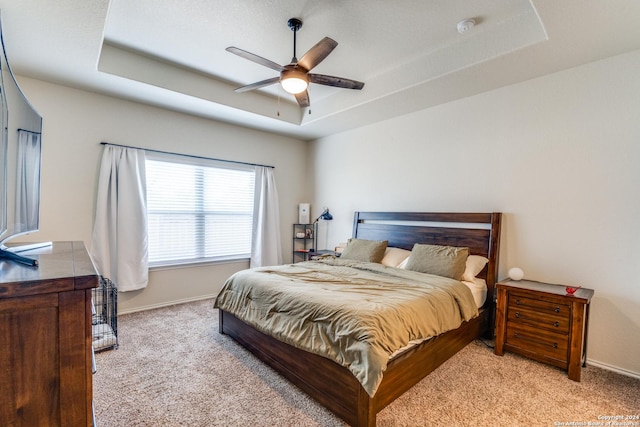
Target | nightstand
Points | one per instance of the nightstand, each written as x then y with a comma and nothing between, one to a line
543,322
315,254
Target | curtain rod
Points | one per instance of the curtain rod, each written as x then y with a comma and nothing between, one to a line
29,131
188,155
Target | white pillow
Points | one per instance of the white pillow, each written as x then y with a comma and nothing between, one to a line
403,264
394,256
475,264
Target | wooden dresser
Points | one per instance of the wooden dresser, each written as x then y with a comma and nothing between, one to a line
543,322
45,327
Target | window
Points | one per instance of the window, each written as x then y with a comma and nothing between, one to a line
198,209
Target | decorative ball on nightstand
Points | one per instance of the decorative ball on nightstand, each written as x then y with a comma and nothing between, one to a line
516,273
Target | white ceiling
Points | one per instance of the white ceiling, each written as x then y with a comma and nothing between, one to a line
171,53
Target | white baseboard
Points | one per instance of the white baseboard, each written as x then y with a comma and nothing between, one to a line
167,304
613,368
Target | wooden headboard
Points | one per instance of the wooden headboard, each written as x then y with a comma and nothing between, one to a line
480,232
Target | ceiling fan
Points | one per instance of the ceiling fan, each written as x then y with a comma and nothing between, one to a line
295,77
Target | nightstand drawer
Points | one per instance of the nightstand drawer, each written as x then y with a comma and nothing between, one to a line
517,300
541,319
543,343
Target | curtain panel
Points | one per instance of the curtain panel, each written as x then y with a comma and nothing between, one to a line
266,248
119,245
28,181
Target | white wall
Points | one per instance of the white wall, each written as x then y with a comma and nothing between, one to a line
555,154
75,122
558,155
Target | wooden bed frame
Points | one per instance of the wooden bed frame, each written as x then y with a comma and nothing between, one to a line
334,386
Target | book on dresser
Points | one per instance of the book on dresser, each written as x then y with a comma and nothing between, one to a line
543,321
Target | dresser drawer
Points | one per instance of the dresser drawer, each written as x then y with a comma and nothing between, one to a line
517,300
543,343
540,319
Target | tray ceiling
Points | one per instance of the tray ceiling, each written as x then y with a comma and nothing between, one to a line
409,53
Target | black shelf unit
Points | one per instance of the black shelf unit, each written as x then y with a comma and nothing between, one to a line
305,244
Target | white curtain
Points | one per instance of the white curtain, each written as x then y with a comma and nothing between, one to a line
28,181
119,246
265,243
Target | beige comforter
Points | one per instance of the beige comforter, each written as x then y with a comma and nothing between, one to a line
354,313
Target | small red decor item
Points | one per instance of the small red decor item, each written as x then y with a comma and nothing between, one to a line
572,289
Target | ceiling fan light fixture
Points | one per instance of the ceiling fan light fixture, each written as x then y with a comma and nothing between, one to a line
294,81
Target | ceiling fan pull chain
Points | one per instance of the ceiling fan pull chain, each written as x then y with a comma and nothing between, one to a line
278,112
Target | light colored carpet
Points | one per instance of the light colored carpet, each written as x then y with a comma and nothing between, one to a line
173,368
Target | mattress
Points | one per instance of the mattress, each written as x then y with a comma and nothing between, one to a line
478,289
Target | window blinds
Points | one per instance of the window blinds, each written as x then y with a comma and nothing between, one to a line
198,209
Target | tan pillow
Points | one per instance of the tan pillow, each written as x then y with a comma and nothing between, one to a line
447,261
394,256
364,250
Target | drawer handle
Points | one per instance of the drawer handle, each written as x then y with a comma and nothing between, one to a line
518,316
557,309
555,345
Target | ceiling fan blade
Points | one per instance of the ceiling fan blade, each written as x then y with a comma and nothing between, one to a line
303,99
317,53
335,81
255,58
258,85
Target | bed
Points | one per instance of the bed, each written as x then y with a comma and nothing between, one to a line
333,385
